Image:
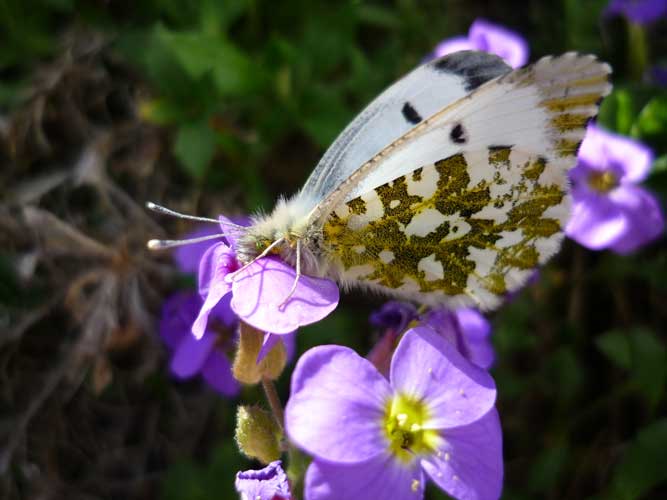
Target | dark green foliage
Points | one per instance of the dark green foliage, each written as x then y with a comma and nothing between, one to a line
219,107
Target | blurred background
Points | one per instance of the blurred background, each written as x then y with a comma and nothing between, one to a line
218,107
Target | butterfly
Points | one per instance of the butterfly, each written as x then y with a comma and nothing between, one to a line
449,188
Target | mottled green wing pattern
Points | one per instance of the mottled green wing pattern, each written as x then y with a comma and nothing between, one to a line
451,233
489,202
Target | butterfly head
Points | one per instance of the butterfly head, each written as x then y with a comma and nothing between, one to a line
279,233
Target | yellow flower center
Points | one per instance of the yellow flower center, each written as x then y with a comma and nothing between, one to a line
603,182
404,422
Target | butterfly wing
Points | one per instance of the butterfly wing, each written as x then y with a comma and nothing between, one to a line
426,90
466,204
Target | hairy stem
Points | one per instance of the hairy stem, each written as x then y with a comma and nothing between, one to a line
274,401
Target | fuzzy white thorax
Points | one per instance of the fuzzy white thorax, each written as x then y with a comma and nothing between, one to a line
289,221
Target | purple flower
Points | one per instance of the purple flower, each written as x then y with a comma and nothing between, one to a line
610,210
208,355
187,257
638,11
468,330
259,290
465,328
488,37
659,75
376,438
269,483
393,315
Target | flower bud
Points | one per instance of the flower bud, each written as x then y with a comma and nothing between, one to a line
257,434
246,369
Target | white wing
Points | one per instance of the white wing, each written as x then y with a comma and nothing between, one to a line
461,208
426,90
517,109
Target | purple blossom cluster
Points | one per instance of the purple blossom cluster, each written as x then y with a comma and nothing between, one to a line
610,209
449,404
201,329
465,328
376,438
421,405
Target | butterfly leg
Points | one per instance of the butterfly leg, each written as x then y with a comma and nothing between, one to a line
298,275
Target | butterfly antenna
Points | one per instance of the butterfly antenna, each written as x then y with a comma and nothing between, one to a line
163,244
167,211
298,275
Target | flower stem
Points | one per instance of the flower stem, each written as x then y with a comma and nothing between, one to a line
637,50
274,401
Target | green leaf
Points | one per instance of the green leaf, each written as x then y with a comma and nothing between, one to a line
547,468
161,111
643,464
195,146
325,115
202,53
186,480
659,165
216,16
618,111
565,374
379,16
651,124
650,369
144,49
616,347
640,352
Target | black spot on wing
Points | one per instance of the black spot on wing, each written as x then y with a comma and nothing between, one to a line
458,135
476,68
410,113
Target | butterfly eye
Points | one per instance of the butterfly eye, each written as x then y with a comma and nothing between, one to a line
265,244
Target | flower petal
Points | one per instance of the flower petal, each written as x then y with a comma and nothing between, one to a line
498,40
469,462
289,339
268,483
336,405
451,45
178,312
626,158
381,477
217,371
271,339
596,222
473,323
191,354
476,332
188,256
260,289
428,367
645,221
394,315
224,313
216,263
215,295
